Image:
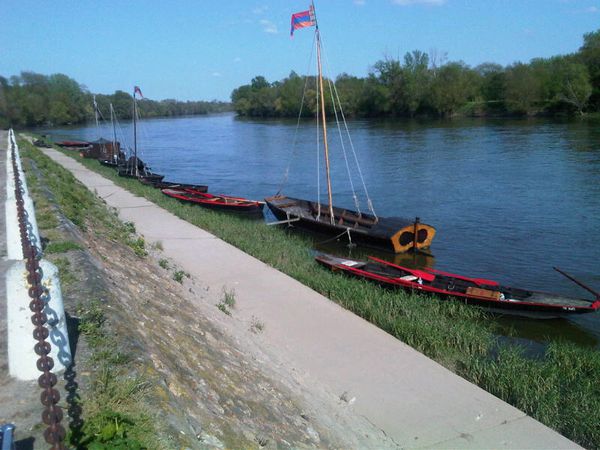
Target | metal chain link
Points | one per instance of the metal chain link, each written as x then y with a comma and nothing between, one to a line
52,414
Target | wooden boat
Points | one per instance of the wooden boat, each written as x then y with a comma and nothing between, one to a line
41,143
392,234
73,144
217,202
174,185
110,163
473,291
134,167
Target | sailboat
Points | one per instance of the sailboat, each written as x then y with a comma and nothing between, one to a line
115,156
135,167
393,234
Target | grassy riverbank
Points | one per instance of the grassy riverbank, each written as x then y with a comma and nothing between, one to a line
558,388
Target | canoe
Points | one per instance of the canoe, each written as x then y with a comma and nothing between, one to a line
72,144
216,202
174,185
473,291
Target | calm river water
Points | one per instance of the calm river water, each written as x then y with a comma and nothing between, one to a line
509,199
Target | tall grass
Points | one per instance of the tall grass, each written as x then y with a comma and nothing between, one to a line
560,388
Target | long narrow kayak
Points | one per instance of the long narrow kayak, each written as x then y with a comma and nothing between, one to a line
474,291
211,201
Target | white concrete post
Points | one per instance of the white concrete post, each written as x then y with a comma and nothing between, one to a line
21,355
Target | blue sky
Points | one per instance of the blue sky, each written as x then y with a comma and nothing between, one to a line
202,50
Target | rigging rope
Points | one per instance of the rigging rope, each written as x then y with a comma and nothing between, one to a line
359,170
304,89
339,128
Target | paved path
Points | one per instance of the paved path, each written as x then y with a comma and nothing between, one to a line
414,400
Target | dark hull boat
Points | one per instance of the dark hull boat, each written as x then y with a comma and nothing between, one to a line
393,234
473,291
73,144
173,185
143,173
109,163
217,202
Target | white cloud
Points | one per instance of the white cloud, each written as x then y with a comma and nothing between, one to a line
217,74
260,10
268,26
419,2
360,2
237,59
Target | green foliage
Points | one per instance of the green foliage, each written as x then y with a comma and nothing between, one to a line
138,245
33,99
227,302
179,275
61,247
560,389
589,54
164,263
419,85
65,274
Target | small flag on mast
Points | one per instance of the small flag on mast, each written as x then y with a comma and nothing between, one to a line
137,90
302,20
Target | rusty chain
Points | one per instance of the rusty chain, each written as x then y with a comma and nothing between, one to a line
52,414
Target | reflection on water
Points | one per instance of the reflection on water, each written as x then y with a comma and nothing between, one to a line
509,199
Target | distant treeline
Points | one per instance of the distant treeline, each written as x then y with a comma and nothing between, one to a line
32,99
428,85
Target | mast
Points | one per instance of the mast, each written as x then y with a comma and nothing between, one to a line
321,91
95,111
112,122
135,160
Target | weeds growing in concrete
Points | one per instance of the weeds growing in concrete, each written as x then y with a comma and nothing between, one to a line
227,302
256,326
114,415
61,247
179,275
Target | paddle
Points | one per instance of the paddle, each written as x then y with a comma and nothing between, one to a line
579,283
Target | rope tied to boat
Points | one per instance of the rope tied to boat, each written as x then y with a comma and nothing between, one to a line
345,232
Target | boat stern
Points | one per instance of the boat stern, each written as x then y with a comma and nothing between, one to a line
404,239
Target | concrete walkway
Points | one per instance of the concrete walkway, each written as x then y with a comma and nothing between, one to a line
413,400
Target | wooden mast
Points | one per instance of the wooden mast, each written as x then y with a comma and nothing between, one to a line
323,118
135,160
112,121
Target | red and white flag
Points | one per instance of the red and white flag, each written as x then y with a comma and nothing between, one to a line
137,90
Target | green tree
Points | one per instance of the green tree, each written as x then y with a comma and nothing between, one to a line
522,89
416,80
452,86
589,53
350,91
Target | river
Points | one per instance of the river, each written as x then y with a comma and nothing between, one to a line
510,199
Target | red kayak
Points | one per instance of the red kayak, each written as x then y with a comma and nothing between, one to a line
220,202
474,291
